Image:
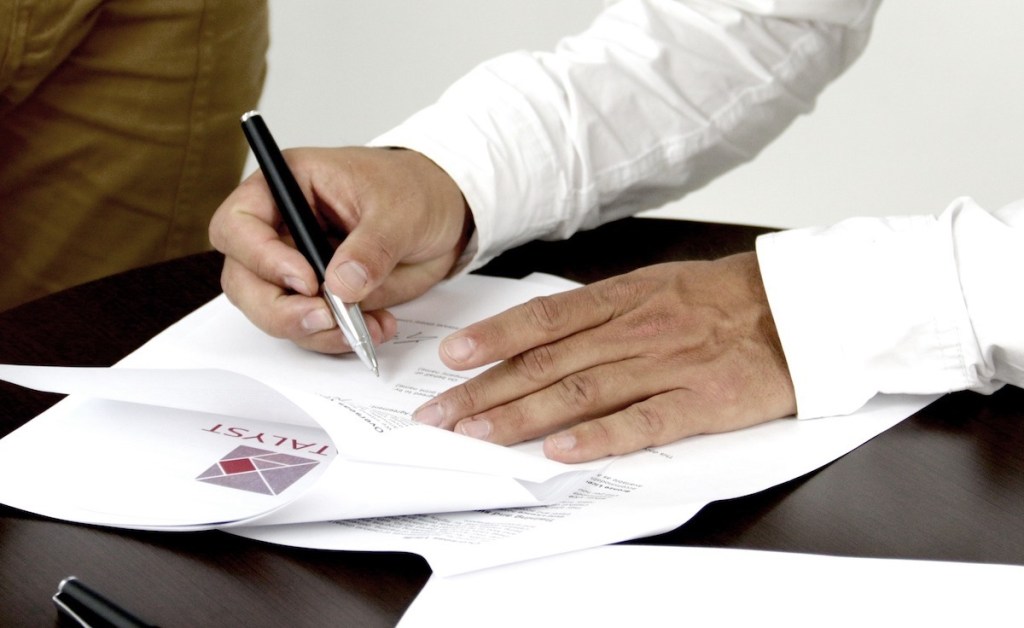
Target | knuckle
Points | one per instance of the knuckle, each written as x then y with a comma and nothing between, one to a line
378,254
227,283
654,324
263,263
213,232
221,227
625,289
579,390
648,420
626,292
533,365
466,397
547,313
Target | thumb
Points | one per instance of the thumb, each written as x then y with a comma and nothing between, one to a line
409,217
362,262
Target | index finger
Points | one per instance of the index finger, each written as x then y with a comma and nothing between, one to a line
244,228
537,322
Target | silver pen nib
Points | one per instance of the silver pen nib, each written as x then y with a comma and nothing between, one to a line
350,320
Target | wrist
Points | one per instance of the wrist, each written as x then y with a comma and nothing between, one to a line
447,202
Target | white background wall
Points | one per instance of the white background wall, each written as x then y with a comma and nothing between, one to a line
932,111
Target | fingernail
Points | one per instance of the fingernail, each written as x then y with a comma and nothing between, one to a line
475,428
458,349
351,274
317,320
562,442
430,414
296,285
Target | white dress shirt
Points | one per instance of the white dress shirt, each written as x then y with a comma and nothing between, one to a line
657,98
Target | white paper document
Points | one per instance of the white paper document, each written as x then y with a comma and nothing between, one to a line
637,585
226,437
214,424
641,494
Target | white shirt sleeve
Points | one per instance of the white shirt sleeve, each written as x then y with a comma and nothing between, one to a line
918,304
658,97
655,99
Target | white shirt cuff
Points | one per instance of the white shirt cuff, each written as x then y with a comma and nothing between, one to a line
869,305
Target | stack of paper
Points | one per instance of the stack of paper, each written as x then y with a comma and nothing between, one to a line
214,424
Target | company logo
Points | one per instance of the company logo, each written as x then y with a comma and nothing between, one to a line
257,470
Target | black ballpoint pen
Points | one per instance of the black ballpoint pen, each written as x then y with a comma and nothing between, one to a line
306,231
88,608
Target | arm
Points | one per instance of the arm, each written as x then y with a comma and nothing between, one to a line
654,100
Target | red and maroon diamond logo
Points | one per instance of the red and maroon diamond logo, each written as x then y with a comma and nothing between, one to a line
257,470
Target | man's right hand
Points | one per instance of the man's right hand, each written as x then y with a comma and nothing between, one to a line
407,224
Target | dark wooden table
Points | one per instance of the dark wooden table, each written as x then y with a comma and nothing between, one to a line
947,484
